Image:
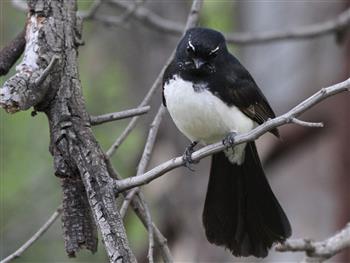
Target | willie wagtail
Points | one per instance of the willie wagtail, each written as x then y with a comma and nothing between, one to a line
211,96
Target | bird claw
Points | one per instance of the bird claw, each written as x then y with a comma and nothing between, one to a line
229,140
187,156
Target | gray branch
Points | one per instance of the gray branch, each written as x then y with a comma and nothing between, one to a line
307,123
286,118
152,135
151,139
35,237
152,20
148,18
341,23
321,250
129,128
91,13
28,87
11,52
96,120
139,209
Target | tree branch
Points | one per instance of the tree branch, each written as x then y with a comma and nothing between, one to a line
318,251
91,13
146,155
144,102
10,53
26,88
332,26
307,123
96,120
150,19
139,209
141,169
35,237
286,118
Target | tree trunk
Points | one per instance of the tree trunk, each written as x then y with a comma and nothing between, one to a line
48,79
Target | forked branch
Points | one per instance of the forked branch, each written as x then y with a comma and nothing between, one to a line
318,251
286,118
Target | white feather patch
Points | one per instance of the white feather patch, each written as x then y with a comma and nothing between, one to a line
201,116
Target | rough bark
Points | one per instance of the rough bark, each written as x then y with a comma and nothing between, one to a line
48,80
77,221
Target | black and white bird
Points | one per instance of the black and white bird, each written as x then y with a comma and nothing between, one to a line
211,96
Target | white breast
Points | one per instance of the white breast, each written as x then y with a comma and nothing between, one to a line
201,116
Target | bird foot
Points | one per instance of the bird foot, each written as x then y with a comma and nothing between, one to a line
187,156
229,140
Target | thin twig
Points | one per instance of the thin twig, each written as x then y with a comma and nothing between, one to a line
151,139
144,102
146,155
96,120
148,18
335,25
138,206
318,251
163,244
307,123
149,228
141,169
163,25
35,237
125,17
152,135
161,169
127,199
91,13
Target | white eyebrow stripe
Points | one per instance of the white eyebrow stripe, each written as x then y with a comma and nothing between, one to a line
214,50
192,46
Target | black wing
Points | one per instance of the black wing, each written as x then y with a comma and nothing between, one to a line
244,93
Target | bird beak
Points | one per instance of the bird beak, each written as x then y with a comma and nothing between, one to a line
198,62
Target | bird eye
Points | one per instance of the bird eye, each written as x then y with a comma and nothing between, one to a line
190,48
214,52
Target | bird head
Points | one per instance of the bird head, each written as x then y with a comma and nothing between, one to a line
200,50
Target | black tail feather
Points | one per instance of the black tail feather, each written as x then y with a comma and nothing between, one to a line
241,212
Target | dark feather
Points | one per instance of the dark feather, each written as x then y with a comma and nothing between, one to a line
241,212
242,91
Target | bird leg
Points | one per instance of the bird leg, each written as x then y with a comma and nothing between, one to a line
229,140
187,155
